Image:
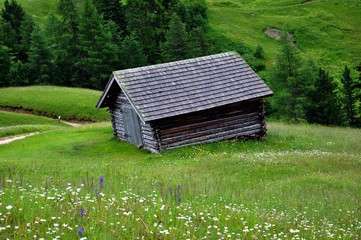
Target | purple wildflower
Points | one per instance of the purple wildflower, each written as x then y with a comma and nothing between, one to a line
101,181
96,191
82,212
81,231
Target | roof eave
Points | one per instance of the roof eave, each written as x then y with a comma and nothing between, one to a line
105,92
111,81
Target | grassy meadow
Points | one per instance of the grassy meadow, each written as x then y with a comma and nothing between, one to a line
68,103
301,182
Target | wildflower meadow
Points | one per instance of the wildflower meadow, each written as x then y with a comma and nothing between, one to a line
80,183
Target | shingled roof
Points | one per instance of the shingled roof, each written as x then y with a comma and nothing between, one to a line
175,88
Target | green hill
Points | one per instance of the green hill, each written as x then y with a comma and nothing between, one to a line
69,103
327,31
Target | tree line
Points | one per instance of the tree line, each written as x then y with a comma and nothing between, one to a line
86,40
305,92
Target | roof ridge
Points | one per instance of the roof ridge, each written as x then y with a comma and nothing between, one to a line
173,63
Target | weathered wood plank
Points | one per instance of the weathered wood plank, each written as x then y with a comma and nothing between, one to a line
251,131
210,132
211,124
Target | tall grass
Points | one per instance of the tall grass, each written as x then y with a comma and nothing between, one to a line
301,182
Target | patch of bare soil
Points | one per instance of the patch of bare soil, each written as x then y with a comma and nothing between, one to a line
276,33
16,110
14,138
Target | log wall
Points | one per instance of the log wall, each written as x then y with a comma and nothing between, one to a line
117,117
242,120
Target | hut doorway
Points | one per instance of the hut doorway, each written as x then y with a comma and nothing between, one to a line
132,127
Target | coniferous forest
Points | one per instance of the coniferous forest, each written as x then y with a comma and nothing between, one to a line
86,40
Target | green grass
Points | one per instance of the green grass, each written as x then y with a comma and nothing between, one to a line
23,129
17,124
302,181
10,119
326,31
69,103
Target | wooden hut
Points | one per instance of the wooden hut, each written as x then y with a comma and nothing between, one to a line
186,102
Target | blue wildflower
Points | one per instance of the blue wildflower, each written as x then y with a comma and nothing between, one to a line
81,231
82,212
96,191
101,182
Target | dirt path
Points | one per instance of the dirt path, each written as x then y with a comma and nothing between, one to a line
14,138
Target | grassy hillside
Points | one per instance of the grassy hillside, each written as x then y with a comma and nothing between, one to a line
301,182
16,123
327,31
69,103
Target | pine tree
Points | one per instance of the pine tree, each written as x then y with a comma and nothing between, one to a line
19,74
97,52
195,13
13,16
39,59
113,10
68,11
357,86
27,28
62,35
259,52
291,83
349,100
324,108
4,66
176,46
198,42
131,53
7,35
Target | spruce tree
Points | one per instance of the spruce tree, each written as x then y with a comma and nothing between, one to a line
131,53
195,13
19,74
291,83
113,10
62,35
27,28
4,66
97,51
39,59
176,45
13,16
198,42
357,87
324,108
139,23
349,100
259,52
